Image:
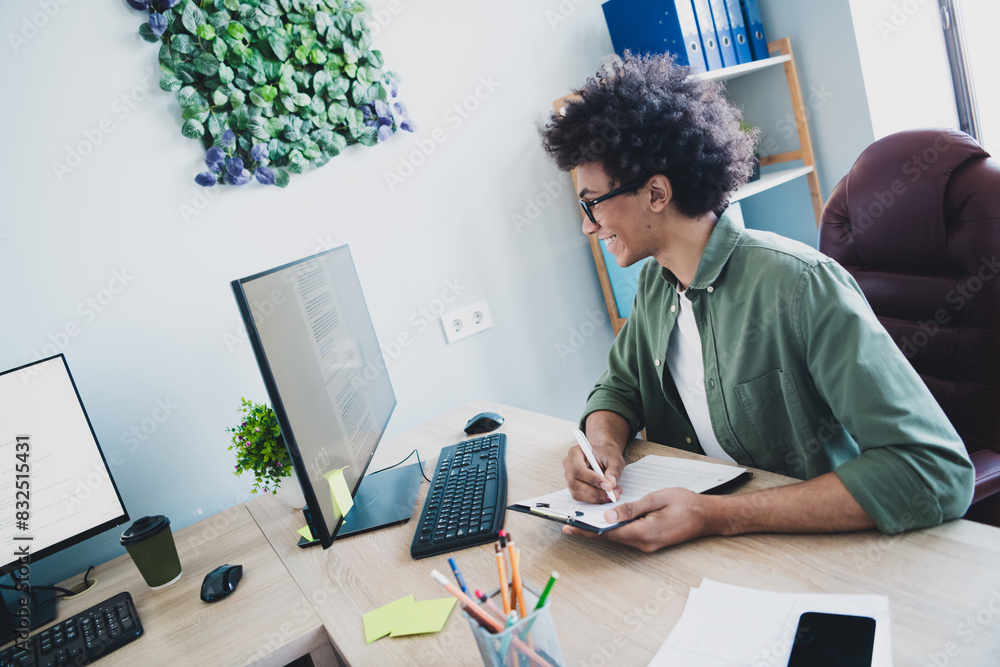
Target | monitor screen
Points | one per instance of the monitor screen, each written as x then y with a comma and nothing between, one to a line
322,366
55,487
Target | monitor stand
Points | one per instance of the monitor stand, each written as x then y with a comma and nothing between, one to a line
383,499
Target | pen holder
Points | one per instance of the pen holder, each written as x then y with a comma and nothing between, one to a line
531,641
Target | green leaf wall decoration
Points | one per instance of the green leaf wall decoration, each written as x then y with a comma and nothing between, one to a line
272,86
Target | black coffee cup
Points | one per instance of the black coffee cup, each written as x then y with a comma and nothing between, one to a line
151,545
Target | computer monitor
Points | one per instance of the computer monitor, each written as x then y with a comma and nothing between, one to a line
56,489
322,366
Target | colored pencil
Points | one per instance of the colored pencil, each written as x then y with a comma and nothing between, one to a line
458,575
515,559
502,571
548,589
486,620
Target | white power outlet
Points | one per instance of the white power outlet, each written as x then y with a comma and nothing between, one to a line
463,322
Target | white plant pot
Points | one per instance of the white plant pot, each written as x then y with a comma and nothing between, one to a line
290,492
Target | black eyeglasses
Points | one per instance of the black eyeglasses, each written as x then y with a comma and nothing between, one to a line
585,205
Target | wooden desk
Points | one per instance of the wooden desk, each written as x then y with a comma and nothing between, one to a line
266,621
615,605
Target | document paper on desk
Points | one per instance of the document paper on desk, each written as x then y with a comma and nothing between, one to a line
733,626
648,474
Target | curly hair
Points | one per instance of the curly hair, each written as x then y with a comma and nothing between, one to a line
647,116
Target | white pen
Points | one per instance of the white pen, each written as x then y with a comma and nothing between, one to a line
588,451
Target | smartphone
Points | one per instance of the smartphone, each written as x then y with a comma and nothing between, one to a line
833,640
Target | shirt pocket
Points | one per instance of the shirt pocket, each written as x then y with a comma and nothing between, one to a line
773,411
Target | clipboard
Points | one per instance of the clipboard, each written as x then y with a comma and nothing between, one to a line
557,511
565,520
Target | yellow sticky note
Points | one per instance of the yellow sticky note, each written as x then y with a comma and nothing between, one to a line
431,617
339,493
305,532
380,622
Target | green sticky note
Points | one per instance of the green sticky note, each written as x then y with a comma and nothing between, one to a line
339,493
431,617
305,532
380,622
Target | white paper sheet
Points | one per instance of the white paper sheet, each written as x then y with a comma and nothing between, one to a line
732,626
648,474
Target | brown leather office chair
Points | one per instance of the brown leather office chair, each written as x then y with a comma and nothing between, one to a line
916,221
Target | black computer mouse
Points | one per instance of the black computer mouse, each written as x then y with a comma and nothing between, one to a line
484,422
220,582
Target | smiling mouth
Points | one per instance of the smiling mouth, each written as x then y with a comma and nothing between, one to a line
608,241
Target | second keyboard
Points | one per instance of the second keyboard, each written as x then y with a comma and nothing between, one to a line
81,638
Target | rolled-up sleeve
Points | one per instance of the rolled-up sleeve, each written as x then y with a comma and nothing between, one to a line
913,470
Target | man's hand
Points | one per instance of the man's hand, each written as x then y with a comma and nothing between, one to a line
608,432
821,505
671,516
587,485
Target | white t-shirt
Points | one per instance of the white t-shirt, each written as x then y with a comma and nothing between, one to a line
684,359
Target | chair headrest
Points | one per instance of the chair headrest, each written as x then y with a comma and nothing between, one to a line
890,210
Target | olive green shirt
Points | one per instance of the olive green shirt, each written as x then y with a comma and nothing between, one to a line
800,377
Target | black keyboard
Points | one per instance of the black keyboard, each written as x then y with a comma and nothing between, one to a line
467,501
80,639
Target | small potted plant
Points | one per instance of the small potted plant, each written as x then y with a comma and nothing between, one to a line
754,134
259,447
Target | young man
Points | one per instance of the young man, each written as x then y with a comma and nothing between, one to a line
742,345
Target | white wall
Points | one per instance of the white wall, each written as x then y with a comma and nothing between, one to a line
905,64
170,333
833,92
171,336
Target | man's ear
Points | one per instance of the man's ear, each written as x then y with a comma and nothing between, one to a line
661,192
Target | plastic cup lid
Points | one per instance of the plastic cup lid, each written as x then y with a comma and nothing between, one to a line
144,528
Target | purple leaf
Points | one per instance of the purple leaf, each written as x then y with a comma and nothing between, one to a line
384,132
157,23
258,152
408,125
234,167
138,4
241,178
206,179
265,175
367,112
371,122
384,114
393,87
165,4
214,158
400,108
229,140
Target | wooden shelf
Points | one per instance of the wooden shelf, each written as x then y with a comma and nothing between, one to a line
770,180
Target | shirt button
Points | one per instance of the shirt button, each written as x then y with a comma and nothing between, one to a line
688,440
710,289
656,362
673,309
711,383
